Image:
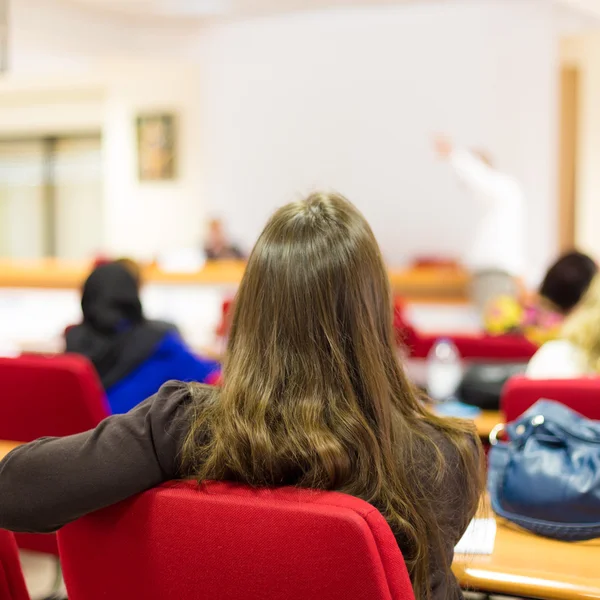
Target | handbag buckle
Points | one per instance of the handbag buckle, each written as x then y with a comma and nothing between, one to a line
496,431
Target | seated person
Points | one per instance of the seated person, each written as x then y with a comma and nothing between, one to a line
576,352
217,246
313,395
133,355
540,318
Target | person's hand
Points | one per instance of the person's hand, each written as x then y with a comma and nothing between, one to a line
443,146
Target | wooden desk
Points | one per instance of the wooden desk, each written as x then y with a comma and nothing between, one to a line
6,447
50,273
425,284
526,565
486,421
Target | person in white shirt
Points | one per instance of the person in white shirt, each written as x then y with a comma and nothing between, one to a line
577,351
496,256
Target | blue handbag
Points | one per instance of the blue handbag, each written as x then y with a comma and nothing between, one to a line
547,477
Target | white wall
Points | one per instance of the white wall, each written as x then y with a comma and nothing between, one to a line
75,69
350,99
345,99
139,219
146,218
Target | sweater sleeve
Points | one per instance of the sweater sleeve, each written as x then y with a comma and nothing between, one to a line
52,481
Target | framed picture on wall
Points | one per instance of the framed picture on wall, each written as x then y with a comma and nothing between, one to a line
156,137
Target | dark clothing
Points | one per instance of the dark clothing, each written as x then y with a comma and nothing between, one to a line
117,356
223,253
52,481
172,359
114,335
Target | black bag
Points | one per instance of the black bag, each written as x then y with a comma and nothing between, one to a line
482,383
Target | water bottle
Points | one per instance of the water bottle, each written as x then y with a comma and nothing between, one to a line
444,370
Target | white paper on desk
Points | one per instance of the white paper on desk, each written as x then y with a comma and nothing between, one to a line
479,538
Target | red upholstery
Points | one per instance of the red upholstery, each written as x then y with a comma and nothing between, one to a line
482,347
48,396
582,395
230,542
12,583
471,347
224,324
41,396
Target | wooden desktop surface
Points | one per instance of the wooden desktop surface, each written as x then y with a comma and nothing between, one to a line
447,285
486,421
6,447
522,564
529,566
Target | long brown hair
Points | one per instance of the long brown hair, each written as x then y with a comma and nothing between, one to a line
313,393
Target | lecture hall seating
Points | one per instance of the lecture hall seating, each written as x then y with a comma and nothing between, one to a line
582,395
48,396
472,347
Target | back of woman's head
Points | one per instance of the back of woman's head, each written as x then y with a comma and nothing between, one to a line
314,310
313,394
567,280
110,299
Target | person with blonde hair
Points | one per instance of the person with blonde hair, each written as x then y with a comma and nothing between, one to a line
576,352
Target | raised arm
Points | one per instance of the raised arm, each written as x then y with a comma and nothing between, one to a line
52,481
476,173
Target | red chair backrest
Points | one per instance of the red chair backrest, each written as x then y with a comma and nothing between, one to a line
12,583
48,396
506,348
231,542
582,395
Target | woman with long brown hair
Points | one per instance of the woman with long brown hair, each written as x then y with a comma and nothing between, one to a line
313,395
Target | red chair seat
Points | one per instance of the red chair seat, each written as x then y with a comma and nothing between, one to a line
232,542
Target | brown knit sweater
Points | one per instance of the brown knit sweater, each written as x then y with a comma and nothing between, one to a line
52,481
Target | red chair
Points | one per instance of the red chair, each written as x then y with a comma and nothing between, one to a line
505,348
48,396
231,542
12,583
225,322
520,393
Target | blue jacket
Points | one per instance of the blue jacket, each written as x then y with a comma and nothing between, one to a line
172,359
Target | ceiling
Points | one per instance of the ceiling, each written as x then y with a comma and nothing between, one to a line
205,9
589,7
